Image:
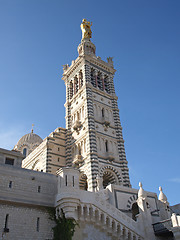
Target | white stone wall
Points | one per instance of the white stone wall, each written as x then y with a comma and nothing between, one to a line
16,156
21,185
22,223
90,232
49,156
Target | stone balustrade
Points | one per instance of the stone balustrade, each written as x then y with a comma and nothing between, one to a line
94,208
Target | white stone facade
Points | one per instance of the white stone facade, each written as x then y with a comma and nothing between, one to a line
81,169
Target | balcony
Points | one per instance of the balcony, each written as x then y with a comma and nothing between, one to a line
163,228
77,125
78,159
105,121
110,156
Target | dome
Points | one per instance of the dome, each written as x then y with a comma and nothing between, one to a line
30,138
28,143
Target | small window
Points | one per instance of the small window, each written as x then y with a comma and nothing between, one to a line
6,229
37,224
9,161
25,152
106,145
58,159
102,112
58,148
10,184
73,180
66,179
39,189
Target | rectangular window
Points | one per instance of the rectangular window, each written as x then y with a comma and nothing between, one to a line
73,180
37,224
9,161
66,179
6,229
39,189
10,184
58,149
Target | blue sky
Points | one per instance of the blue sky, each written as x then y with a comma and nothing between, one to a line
39,36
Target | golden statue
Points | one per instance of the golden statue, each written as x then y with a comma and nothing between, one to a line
86,29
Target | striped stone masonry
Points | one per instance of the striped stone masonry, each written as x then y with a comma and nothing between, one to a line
92,114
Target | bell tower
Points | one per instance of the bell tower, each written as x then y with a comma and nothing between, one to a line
94,142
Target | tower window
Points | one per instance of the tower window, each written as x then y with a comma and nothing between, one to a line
25,152
93,77
71,90
102,112
80,79
9,161
106,145
66,179
58,149
99,81
106,84
73,180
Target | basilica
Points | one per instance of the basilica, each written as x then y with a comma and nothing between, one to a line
81,169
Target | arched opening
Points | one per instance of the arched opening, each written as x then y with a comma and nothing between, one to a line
25,152
108,178
135,211
76,87
71,90
99,81
80,79
93,77
83,184
106,84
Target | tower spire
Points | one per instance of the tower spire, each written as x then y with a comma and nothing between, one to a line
94,142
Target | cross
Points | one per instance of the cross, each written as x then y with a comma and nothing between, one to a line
32,128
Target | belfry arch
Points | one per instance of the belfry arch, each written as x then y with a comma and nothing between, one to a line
110,176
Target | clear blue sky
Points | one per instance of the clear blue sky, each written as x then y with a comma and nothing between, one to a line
39,36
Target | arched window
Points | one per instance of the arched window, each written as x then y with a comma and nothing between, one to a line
106,84
135,211
93,77
76,87
71,90
99,81
83,184
108,178
25,152
80,79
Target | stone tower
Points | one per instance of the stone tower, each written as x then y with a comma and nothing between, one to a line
94,142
